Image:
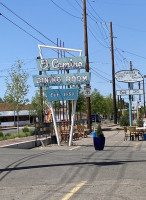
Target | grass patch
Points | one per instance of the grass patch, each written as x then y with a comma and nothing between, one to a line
15,135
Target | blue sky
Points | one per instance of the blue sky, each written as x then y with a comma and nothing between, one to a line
63,20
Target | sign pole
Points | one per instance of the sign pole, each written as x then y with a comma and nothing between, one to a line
130,106
55,125
72,123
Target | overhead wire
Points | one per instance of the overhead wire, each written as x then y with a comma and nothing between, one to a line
72,16
96,38
123,58
64,10
68,1
21,29
31,27
27,23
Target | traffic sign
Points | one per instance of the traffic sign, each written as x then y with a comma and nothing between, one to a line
52,64
62,94
129,92
61,79
87,91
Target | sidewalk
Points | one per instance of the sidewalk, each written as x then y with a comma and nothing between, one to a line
80,142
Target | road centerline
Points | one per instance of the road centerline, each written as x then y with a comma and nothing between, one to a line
74,190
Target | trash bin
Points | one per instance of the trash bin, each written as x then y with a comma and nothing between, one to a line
144,136
53,139
94,134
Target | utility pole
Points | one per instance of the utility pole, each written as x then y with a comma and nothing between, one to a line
130,86
87,63
131,83
41,96
113,75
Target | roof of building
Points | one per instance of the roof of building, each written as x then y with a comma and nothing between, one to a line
5,107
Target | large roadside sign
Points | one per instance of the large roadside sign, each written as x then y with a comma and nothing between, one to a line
61,79
129,92
62,94
52,64
129,76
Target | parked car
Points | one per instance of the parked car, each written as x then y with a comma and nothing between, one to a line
95,118
144,123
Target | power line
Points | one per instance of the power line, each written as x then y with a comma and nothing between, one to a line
124,51
78,4
22,29
97,39
100,76
73,5
31,27
95,11
64,10
101,71
27,23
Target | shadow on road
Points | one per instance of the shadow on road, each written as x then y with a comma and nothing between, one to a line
72,164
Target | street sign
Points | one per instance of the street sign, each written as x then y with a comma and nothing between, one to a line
129,92
52,64
87,91
128,76
61,79
62,94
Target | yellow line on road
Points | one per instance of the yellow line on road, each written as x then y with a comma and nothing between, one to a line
74,190
136,145
74,148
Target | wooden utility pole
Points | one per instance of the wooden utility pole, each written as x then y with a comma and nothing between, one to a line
113,75
131,83
87,63
41,96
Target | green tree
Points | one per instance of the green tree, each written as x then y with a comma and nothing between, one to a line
108,106
81,104
97,103
36,107
16,88
1,100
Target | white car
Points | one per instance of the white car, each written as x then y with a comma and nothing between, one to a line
144,123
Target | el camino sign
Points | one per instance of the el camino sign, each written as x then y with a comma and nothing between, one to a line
129,76
62,79
52,64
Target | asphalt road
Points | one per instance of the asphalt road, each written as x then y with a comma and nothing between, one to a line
77,172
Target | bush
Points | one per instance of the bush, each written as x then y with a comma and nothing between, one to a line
124,121
8,134
27,134
139,122
99,132
25,129
32,132
1,134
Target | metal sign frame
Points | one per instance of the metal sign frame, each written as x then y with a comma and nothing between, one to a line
51,105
